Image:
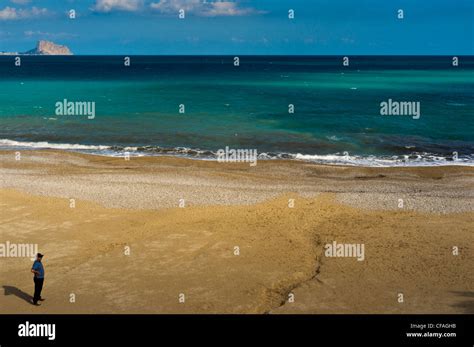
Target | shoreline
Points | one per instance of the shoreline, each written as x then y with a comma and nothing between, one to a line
190,249
414,159
41,151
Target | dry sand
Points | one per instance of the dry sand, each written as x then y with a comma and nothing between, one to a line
190,250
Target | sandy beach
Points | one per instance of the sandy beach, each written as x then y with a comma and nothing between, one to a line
234,238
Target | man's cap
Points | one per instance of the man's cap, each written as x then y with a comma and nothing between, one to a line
39,255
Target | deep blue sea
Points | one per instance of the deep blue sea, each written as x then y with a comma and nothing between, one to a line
337,114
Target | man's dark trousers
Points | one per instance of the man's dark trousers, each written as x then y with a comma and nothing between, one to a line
38,288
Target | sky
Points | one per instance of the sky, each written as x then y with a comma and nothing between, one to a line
259,27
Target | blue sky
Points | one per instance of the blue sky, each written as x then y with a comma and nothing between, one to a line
339,27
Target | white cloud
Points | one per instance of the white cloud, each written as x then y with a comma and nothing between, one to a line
202,7
38,33
8,13
227,8
168,6
11,13
21,2
120,5
34,12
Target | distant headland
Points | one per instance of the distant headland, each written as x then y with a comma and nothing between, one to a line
44,48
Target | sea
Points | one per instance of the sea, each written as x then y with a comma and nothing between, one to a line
310,108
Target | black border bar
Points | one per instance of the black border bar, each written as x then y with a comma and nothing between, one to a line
316,330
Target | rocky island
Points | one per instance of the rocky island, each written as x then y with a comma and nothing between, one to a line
44,48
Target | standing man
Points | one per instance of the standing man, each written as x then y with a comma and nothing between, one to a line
38,270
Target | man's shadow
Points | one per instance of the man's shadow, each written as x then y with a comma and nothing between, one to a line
9,290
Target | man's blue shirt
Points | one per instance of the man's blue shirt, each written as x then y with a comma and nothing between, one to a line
38,266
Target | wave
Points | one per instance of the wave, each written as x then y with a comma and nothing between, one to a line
412,159
8,144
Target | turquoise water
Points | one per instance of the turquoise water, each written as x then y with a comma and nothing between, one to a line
337,109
